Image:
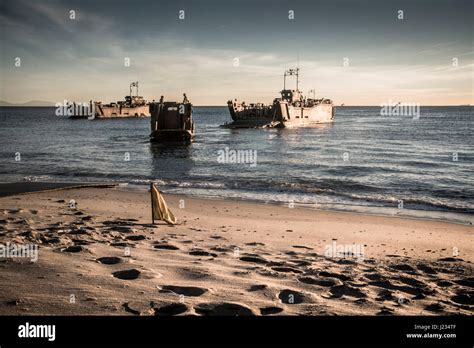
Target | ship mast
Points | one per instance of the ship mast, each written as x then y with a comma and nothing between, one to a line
291,72
133,84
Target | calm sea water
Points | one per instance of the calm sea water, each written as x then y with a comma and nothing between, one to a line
363,159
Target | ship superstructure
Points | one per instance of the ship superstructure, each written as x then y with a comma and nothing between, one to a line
292,109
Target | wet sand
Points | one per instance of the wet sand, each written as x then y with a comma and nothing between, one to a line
226,258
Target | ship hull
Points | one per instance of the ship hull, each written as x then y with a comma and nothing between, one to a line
281,114
106,112
292,116
102,111
171,122
172,135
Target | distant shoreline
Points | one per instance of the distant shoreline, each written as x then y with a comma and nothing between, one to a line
223,105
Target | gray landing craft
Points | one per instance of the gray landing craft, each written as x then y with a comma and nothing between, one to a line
293,109
132,106
172,121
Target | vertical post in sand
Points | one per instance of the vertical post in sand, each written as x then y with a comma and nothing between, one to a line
151,195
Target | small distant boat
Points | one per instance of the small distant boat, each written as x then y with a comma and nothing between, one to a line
171,121
132,106
293,109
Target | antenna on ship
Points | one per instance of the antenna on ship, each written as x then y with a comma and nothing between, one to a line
291,72
297,78
297,70
133,84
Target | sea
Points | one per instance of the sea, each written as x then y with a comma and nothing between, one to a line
364,160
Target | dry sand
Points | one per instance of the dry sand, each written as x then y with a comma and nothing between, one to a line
226,257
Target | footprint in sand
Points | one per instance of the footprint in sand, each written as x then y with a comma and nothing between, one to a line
80,230
57,240
165,246
151,308
56,226
201,253
122,244
128,274
403,267
335,275
223,308
122,229
412,282
469,282
257,287
254,259
288,296
444,283
217,237
73,249
15,211
109,260
286,270
435,307
301,247
171,309
425,268
81,242
327,282
347,290
136,237
139,307
374,276
221,249
385,311
270,310
301,263
123,222
192,273
387,284
450,259
464,298
192,291
346,261
385,295
187,241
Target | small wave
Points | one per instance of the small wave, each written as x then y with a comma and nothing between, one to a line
36,178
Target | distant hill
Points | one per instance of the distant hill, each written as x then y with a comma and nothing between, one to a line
30,103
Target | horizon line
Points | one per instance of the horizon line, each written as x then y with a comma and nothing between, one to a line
223,105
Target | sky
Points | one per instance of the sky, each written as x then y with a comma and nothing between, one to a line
356,52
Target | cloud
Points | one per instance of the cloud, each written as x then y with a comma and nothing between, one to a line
83,59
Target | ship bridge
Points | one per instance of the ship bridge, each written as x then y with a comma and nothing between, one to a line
291,95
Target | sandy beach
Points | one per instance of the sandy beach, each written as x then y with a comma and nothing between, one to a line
104,257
